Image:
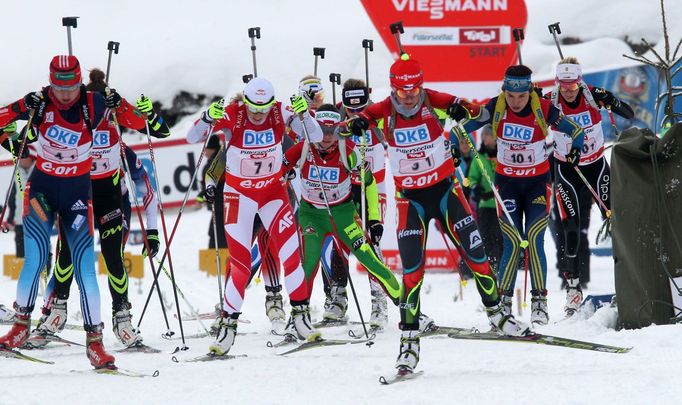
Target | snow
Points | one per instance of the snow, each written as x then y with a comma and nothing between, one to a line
167,46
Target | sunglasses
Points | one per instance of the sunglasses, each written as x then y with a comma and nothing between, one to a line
569,86
404,93
259,108
356,109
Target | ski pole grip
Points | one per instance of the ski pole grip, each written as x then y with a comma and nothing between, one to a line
254,32
70,22
318,52
113,46
368,44
518,34
335,78
397,27
554,28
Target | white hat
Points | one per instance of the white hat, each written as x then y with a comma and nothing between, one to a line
309,87
259,91
569,72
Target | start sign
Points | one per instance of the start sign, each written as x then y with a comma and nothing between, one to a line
454,40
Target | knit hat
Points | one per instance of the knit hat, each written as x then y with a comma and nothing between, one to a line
406,73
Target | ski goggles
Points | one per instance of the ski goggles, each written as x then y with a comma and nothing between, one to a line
65,88
402,93
569,86
517,84
259,108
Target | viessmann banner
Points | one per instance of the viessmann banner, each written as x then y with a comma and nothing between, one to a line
456,41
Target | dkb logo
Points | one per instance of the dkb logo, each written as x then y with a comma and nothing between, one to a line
583,119
517,132
327,175
100,138
62,136
258,138
411,136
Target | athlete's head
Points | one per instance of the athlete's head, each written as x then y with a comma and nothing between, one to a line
97,82
569,76
328,117
355,96
406,81
259,98
65,78
517,86
311,88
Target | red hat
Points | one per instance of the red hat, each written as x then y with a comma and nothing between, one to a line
406,73
65,72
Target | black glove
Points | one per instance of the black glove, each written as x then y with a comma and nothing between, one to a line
291,174
376,231
456,156
153,242
209,194
573,156
358,126
33,100
457,112
603,96
112,99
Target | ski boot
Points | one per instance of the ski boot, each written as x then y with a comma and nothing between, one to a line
506,301
574,296
505,323
379,316
426,324
6,315
409,351
336,311
95,350
123,327
227,331
50,323
538,308
300,324
274,308
18,334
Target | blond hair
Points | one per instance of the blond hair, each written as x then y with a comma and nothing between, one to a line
570,59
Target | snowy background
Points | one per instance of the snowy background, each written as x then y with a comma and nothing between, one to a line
202,46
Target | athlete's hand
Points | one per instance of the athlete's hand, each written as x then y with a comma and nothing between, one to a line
291,174
153,242
358,126
376,231
456,156
32,100
209,194
573,156
112,99
144,104
215,111
299,104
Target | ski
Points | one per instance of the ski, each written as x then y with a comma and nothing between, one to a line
139,347
446,330
544,340
117,371
40,341
400,376
360,333
289,339
328,323
204,334
35,322
324,342
206,316
16,354
210,357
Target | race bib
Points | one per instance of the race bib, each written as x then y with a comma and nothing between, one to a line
257,167
414,166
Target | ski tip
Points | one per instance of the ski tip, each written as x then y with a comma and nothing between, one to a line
383,380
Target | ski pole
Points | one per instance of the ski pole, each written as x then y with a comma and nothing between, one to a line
112,47
163,226
15,172
175,226
555,30
452,254
607,212
69,22
518,37
191,308
254,33
317,52
335,78
368,46
334,229
396,30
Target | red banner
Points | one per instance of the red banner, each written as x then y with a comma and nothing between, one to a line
437,260
454,40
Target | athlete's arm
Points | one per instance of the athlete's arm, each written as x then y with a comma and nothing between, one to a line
562,124
606,98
